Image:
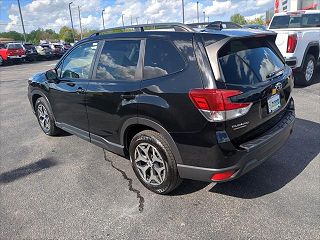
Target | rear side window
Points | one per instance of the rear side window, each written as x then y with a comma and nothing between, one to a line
246,62
118,60
161,58
296,21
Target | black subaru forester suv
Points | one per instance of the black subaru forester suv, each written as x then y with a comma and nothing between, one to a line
179,104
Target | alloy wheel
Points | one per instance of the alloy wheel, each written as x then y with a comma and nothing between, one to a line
43,117
150,164
309,71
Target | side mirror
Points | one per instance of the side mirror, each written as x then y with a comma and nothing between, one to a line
52,75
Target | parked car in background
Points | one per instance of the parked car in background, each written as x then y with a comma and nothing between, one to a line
255,26
66,46
218,25
198,26
13,52
31,52
298,38
183,104
44,51
57,49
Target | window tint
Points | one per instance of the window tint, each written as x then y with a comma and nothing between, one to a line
118,60
77,64
296,21
161,58
14,45
248,62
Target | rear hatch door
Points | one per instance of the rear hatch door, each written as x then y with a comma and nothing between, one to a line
253,65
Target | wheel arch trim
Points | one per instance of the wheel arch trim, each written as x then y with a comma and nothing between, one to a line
38,92
156,126
311,44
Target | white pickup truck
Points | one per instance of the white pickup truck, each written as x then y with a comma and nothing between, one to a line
298,39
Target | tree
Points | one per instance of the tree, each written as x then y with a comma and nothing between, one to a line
12,35
65,34
238,18
258,20
40,34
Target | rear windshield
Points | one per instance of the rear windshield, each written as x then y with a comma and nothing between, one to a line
28,46
296,21
14,45
247,62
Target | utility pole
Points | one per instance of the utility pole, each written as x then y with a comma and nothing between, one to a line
137,20
208,20
24,31
182,11
80,22
198,11
102,19
71,21
204,17
131,20
122,20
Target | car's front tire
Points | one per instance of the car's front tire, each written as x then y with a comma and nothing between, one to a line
153,162
308,72
45,117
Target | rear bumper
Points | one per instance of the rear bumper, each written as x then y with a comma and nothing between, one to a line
16,57
251,154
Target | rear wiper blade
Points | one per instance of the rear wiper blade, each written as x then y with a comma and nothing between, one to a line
275,73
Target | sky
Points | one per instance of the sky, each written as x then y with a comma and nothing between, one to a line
55,13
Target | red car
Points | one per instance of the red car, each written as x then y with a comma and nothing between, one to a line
11,52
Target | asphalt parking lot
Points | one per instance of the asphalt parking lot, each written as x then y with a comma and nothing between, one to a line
66,188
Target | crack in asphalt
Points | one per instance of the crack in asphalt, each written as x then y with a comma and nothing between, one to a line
131,188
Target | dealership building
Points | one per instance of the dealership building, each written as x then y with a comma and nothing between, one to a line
292,5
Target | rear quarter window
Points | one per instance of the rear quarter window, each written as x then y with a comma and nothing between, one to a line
247,62
161,58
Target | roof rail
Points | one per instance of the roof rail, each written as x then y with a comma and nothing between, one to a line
178,27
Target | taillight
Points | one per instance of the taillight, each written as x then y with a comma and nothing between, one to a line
216,105
292,43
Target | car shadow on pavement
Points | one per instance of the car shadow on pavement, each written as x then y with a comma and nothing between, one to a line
301,148
24,171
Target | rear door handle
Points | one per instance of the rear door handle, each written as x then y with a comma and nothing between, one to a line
128,96
80,90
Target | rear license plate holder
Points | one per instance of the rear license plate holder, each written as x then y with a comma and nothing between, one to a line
274,103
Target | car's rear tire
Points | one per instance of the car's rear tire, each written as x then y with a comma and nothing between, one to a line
308,71
45,117
153,162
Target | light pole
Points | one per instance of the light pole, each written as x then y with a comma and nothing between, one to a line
137,20
24,31
71,21
122,20
102,19
204,17
131,20
80,22
182,11
208,20
198,11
